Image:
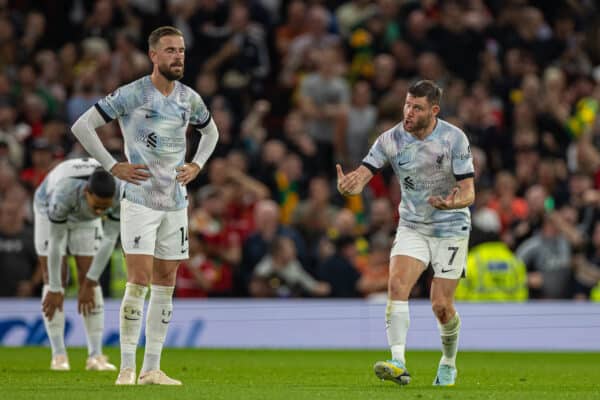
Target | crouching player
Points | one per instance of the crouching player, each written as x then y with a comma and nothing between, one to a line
69,207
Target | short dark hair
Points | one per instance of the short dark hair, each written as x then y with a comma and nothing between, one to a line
426,88
160,32
101,183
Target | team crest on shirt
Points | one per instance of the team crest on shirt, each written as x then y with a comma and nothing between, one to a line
439,161
184,118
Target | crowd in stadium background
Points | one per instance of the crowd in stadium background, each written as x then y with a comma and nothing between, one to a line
296,86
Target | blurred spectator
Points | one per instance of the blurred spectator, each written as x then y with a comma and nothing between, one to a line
456,42
280,274
339,270
298,140
253,131
324,98
294,26
286,183
18,259
11,134
352,13
314,215
85,96
42,160
8,178
374,274
243,61
362,118
256,246
587,266
221,244
494,273
301,55
547,255
382,221
538,204
201,276
505,201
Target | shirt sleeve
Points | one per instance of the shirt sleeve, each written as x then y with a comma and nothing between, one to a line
376,158
114,214
462,160
263,268
109,239
117,104
299,275
200,115
61,202
56,242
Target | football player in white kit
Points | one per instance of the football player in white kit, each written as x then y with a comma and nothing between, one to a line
153,113
68,207
432,161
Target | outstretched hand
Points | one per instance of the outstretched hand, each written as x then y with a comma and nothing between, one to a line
348,184
133,173
447,203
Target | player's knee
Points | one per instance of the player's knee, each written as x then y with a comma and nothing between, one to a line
399,289
442,310
141,278
164,278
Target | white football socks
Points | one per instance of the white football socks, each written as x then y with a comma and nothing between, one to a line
94,324
397,321
132,311
55,329
160,310
449,334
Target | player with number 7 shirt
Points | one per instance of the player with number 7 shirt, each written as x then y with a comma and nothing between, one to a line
432,161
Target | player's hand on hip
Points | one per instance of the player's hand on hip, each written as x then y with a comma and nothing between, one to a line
347,184
187,173
133,173
52,301
441,203
85,297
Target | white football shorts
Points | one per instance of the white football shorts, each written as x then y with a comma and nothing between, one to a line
162,234
448,256
83,238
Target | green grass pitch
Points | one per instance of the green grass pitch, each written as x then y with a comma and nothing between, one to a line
306,374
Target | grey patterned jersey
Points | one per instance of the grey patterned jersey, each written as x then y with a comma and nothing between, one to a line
154,129
61,195
424,168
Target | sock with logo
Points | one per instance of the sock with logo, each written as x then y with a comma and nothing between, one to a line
132,311
397,321
160,309
449,334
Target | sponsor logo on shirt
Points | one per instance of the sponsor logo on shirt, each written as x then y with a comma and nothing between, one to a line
409,183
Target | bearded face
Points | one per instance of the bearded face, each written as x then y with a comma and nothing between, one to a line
418,114
417,123
169,57
172,71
